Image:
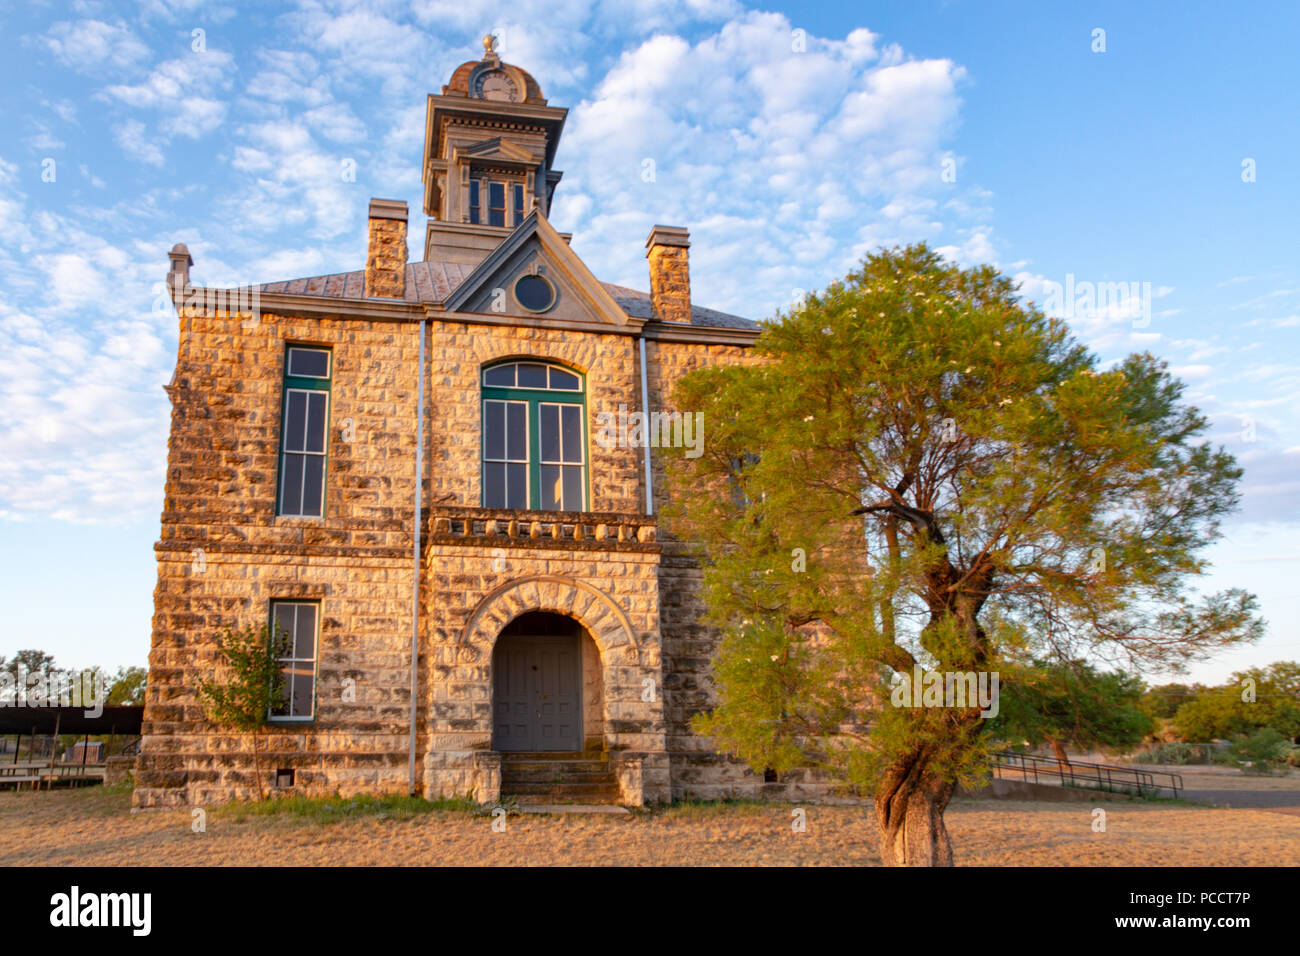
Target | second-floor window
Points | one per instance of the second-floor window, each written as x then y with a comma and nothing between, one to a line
304,431
534,438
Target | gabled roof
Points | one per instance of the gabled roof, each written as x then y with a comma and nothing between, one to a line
535,229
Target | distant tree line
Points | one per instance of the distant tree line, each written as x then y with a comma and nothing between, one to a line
126,687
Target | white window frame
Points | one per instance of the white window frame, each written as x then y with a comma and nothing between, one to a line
505,450
315,643
580,464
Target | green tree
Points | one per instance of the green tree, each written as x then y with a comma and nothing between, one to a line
1256,697
33,660
254,684
921,471
1262,751
1162,701
127,686
1071,703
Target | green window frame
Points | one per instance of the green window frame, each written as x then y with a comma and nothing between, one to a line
548,451
304,431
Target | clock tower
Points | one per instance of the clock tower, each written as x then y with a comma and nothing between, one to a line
489,147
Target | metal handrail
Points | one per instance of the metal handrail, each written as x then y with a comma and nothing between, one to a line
1110,777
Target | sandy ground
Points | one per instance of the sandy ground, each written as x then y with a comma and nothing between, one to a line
96,827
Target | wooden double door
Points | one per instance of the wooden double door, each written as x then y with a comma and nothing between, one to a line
537,693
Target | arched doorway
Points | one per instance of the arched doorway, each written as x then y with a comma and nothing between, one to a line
537,685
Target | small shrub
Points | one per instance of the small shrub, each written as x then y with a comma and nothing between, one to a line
1263,751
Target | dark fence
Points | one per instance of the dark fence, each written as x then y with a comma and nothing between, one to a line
1087,776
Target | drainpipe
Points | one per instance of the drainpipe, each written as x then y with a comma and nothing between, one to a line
645,408
415,557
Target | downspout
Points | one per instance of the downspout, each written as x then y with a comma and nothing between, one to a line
645,409
415,557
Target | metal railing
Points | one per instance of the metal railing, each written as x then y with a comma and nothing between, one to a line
1090,776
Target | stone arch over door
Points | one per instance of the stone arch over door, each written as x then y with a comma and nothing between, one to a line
604,620
460,760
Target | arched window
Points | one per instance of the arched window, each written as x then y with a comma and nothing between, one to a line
534,438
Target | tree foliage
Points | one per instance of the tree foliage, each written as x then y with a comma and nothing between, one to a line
126,687
251,683
1254,698
1071,703
920,470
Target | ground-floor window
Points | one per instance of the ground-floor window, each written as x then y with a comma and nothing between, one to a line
297,621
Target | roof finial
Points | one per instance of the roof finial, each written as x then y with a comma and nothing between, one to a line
489,44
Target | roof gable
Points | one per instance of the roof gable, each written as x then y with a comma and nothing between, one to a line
536,248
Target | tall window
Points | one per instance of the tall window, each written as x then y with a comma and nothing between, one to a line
518,190
473,201
303,444
297,622
496,204
534,438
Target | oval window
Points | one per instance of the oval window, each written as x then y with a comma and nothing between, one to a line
534,293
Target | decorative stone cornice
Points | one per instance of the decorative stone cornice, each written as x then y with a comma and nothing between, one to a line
564,530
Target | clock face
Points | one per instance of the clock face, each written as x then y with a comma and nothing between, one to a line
495,85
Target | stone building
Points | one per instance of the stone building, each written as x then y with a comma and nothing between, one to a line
510,622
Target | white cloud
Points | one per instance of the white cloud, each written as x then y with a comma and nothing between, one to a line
138,142
745,141
182,92
87,45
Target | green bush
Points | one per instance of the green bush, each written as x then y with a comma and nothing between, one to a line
1263,751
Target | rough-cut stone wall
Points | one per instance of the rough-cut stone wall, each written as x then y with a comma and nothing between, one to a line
593,695
670,282
387,253
224,555
698,771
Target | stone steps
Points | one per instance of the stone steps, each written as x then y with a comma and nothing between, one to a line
558,778
564,792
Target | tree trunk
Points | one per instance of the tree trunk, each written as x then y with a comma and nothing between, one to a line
257,765
909,811
1061,756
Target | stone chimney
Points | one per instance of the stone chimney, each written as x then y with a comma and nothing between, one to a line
178,276
386,255
670,273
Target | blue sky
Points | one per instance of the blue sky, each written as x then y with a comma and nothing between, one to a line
788,155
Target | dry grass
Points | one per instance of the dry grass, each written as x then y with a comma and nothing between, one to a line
96,827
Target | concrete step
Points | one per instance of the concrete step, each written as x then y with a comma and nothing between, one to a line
560,792
556,777
557,767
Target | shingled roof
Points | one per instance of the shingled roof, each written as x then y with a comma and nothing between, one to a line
434,281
